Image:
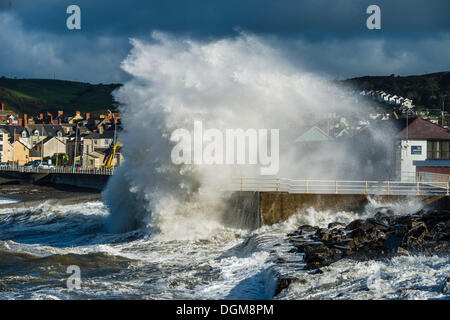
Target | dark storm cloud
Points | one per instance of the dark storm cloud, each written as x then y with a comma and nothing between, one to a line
218,17
329,36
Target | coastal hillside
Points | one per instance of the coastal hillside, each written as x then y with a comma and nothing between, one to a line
429,90
33,95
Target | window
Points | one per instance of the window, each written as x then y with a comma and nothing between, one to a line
36,133
1,137
24,134
438,149
1,147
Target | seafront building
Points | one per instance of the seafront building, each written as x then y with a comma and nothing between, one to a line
62,139
419,147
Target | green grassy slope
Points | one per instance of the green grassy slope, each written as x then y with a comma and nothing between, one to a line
33,95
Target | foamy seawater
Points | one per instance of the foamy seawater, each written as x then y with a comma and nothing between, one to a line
7,201
38,244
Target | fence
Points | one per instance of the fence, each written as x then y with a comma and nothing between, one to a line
339,186
68,170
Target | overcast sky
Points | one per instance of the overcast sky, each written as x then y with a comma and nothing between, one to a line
328,37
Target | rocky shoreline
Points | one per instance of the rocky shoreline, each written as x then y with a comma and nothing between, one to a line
385,234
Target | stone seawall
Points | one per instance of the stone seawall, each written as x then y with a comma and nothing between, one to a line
278,206
93,181
253,209
90,181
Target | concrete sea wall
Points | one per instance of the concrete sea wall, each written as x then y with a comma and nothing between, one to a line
254,209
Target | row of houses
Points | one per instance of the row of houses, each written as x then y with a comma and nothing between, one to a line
64,139
390,99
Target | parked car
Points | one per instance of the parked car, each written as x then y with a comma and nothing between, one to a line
36,163
4,165
45,165
29,165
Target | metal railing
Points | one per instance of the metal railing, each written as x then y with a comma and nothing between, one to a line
67,170
339,186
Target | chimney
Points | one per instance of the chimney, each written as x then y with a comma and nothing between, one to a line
77,113
20,122
60,112
10,121
49,117
41,116
16,136
3,107
59,121
25,119
115,120
88,116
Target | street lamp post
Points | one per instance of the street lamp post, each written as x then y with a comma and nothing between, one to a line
75,149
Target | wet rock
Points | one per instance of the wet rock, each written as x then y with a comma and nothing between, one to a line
283,283
308,228
280,260
401,250
441,236
323,234
439,227
383,219
407,221
446,286
399,229
318,271
392,241
359,236
421,212
335,224
384,234
360,224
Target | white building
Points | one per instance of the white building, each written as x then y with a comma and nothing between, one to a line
422,147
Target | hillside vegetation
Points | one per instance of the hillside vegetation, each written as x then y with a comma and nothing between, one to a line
35,95
429,90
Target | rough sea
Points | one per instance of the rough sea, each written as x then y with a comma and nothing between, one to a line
38,244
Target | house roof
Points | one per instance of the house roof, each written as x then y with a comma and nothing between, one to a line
311,134
13,129
424,129
432,163
107,134
48,130
50,138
